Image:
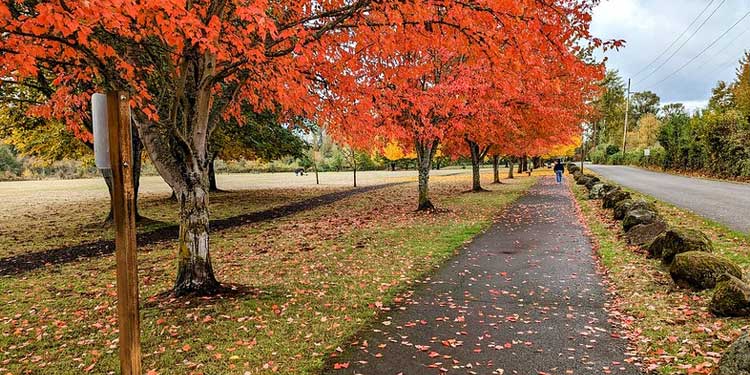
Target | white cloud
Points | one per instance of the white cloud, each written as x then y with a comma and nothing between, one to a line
649,26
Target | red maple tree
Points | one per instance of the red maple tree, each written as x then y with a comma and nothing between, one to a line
404,69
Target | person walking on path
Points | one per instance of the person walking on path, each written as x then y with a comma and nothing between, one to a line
559,169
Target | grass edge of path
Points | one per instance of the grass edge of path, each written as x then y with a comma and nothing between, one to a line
670,328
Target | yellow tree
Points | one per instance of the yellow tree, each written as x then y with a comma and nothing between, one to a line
647,133
567,149
393,152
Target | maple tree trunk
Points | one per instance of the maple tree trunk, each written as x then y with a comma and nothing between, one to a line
355,175
510,168
183,162
537,162
425,151
212,187
520,165
393,166
195,274
496,169
476,159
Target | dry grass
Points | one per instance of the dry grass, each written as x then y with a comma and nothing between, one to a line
308,282
40,215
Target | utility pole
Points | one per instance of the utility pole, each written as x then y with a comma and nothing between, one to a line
625,130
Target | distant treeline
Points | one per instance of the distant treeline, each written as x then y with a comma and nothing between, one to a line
712,141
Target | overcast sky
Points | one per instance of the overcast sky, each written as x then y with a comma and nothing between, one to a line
650,26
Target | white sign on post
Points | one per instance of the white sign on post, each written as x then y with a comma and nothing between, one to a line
647,152
101,131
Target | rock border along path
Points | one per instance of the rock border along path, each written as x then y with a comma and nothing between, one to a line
522,298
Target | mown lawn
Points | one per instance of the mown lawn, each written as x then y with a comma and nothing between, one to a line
670,328
304,284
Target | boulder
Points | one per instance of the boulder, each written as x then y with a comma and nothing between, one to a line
736,358
616,195
699,270
642,234
639,216
591,182
583,180
731,297
621,208
678,240
641,203
577,175
597,191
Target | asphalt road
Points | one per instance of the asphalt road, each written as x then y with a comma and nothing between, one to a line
724,202
523,298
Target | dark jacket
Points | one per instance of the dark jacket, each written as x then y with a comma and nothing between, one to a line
559,167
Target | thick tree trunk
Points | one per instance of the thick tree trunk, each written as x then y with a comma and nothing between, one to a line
212,187
496,169
393,166
195,274
476,160
510,168
425,151
520,166
525,164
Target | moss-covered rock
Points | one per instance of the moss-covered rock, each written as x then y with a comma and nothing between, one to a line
613,197
731,297
699,270
583,180
736,359
621,208
597,191
641,203
678,240
642,234
639,216
593,180
577,174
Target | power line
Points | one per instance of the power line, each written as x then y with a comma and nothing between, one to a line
730,44
685,42
675,40
703,51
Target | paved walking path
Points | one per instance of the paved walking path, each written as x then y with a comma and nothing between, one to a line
523,298
725,202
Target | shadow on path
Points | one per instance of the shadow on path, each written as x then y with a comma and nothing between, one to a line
18,264
522,298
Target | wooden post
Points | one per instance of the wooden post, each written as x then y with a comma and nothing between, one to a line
123,203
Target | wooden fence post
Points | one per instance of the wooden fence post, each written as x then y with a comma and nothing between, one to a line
123,203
